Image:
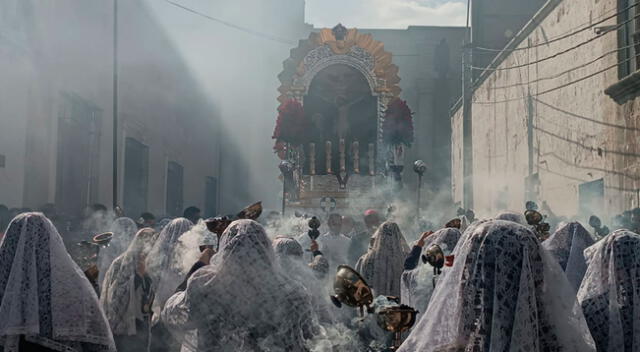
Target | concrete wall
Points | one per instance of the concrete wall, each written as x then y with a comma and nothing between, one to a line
65,47
579,133
414,52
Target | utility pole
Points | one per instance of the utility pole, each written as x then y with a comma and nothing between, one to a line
115,105
467,127
530,195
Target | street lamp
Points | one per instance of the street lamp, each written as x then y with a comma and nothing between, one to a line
286,168
419,167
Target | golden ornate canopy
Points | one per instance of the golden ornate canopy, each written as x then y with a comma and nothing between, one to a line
339,45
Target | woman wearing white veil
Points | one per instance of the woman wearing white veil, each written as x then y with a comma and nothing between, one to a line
503,293
241,302
418,280
383,264
510,216
46,302
165,264
567,245
123,231
610,292
127,296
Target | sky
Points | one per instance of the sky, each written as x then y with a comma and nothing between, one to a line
386,13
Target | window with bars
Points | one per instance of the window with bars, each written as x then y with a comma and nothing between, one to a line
628,37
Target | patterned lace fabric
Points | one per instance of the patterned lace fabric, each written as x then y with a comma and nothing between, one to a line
44,295
123,231
567,245
503,293
511,216
241,301
383,264
417,284
610,292
165,264
118,289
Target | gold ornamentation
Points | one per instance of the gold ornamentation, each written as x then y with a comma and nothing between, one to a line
384,69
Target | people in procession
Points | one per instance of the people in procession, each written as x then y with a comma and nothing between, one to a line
567,245
361,241
383,264
241,301
127,296
610,292
568,293
46,302
124,230
418,281
504,292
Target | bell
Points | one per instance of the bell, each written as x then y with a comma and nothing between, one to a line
350,288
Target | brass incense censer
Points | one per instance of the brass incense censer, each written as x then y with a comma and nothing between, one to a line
397,319
351,289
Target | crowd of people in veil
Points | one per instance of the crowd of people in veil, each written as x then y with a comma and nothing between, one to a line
172,285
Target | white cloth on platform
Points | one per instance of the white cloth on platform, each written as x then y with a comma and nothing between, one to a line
241,302
123,231
417,284
43,293
567,245
503,293
383,264
610,292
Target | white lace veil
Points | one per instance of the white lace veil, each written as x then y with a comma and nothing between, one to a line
123,231
43,294
567,245
610,292
164,262
118,289
511,216
383,264
417,284
503,293
241,301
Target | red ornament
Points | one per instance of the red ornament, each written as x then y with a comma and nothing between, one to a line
291,126
398,123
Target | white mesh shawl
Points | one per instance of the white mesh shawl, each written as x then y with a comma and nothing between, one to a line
118,289
241,301
417,284
511,216
567,245
43,294
123,231
503,293
610,292
164,263
383,264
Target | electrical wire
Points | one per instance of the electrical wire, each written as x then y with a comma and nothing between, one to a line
564,36
556,54
558,75
547,91
235,26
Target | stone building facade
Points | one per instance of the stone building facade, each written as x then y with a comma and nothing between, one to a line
56,91
545,123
